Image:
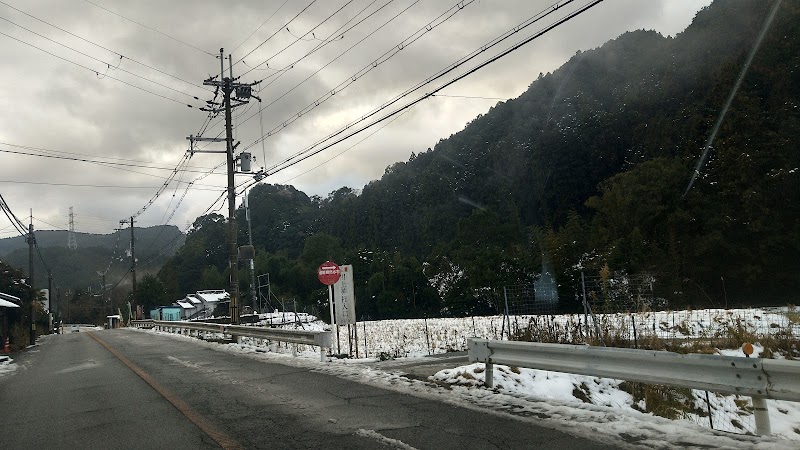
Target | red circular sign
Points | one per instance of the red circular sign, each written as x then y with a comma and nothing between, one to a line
328,273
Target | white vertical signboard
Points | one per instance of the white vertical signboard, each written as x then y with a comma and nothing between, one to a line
344,297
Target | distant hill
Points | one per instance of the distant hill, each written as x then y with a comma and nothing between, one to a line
73,269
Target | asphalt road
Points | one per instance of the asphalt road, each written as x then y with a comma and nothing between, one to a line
128,389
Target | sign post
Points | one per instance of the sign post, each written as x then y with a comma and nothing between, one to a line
344,299
328,274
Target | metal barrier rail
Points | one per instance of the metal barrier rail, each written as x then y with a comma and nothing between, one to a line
320,339
756,377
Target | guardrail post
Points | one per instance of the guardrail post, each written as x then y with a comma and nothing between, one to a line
489,375
761,412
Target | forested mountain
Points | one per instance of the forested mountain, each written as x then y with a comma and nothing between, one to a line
587,168
77,269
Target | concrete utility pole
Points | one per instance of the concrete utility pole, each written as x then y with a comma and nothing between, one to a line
133,256
31,244
102,275
253,299
50,293
241,93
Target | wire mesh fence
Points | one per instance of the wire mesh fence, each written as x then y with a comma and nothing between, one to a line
523,303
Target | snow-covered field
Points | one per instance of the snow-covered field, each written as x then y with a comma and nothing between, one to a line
417,337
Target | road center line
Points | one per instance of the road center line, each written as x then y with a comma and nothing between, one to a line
218,436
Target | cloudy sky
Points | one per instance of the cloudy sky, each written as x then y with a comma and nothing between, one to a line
108,81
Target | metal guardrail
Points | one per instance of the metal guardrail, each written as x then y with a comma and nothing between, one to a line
755,377
320,339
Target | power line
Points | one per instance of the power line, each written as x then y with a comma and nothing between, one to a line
150,28
105,186
56,227
111,166
460,62
18,225
298,39
96,72
394,50
273,34
41,258
338,35
100,60
163,187
470,97
345,150
64,152
307,153
259,27
91,161
101,47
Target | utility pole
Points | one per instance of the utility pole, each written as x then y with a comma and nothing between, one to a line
253,299
133,257
102,275
31,244
58,301
50,293
241,93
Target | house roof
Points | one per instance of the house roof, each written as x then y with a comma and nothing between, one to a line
186,305
212,296
15,301
8,304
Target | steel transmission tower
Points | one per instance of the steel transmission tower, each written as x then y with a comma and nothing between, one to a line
72,243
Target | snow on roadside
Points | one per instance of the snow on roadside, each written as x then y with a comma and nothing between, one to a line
569,388
7,367
549,402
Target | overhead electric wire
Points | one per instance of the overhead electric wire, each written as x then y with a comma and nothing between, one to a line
104,164
104,48
345,150
275,33
460,62
471,97
323,42
259,27
163,187
18,225
91,161
307,153
64,152
149,28
280,72
97,72
394,50
104,186
100,60
113,253
41,258
338,32
55,227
